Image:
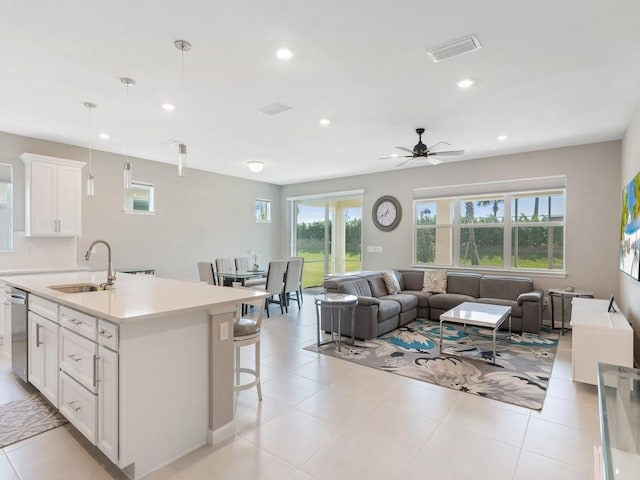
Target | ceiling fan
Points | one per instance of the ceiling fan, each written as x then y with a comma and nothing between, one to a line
420,150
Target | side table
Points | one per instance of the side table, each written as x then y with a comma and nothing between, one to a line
336,303
563,294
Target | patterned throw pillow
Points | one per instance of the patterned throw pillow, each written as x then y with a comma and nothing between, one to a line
391,281
435,281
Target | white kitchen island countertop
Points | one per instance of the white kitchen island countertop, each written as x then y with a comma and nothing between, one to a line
133,297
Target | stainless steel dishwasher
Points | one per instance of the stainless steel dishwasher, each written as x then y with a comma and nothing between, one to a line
19,340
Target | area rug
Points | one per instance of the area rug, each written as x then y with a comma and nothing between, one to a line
25,418
520,376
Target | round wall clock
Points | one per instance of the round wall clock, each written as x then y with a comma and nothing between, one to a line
386,213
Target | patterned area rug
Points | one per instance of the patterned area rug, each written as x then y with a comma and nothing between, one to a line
520,376
25,418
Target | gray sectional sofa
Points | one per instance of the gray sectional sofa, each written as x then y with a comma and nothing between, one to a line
378,312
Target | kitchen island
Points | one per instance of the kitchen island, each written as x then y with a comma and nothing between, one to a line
143,369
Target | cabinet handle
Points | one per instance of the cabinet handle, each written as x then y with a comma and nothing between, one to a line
38,342
105,334
95,369
75,321
74,357
73,407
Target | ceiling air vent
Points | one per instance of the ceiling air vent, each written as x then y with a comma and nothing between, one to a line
274,109
454,48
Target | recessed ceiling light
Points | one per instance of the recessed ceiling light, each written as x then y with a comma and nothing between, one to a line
465,83
105,136
168,107
255,165
284,54
502,138
493,148
325,121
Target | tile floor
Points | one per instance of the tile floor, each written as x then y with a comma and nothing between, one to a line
323,418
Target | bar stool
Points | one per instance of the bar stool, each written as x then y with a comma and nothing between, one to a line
246,331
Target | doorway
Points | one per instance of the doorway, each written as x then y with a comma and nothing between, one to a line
327,233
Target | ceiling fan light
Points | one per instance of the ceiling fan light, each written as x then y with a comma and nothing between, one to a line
255,166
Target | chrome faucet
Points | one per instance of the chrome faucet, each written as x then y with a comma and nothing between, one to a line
111,276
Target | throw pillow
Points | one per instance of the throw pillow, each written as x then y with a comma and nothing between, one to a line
391,281
435,281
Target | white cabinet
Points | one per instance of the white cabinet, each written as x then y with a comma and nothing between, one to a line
53,196
5,318
43,356
598,336
108,403
89,378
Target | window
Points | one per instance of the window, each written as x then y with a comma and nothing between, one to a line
263,211
502,231
6,207
139,198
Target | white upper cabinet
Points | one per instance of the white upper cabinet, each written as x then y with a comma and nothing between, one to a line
53,196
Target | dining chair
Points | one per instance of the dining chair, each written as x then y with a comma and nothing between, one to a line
300,280
225,265
246,331
275,284
292,281
242,264
206,272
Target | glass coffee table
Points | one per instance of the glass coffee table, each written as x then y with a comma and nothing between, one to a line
480,315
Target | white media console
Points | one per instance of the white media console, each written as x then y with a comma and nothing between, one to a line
598,336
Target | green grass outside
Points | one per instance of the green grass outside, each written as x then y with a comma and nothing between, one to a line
313,273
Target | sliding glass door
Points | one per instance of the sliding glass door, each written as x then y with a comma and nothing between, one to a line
327,233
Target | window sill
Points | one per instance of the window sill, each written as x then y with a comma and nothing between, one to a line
498,271
138,212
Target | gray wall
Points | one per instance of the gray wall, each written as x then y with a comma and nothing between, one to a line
593,201
199,217
629,299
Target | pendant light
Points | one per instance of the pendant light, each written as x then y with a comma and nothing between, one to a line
183,46
126,170
90,180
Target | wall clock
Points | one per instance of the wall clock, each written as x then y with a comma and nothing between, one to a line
386,213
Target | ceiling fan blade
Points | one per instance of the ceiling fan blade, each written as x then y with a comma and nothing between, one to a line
439,143
434,161
397,156
405,149
405,161
448,152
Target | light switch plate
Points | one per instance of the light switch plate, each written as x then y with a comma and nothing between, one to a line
371,248
379,249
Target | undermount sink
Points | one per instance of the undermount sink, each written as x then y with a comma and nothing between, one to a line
76,288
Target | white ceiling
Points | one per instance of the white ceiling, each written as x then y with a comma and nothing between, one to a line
549,74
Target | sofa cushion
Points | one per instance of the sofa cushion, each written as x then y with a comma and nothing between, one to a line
507,288
435,281
464,283
359,288
391,282
387,309
377,286
446,301
411,279
423,297
516,310
406,300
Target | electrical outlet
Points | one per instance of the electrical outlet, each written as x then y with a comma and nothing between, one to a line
224,331
545,300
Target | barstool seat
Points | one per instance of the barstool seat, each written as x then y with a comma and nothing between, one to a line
246,331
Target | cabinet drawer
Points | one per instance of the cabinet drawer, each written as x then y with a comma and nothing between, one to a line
78,358
79,406
44,307
78,322
108,334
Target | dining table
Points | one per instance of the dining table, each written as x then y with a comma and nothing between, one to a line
241,276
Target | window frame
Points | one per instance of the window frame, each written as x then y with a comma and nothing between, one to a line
8,206
145,185
508,225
